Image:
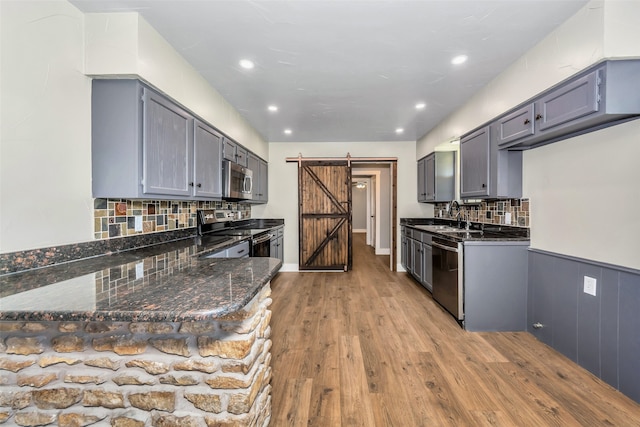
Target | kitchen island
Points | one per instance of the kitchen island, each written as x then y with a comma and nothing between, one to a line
165,339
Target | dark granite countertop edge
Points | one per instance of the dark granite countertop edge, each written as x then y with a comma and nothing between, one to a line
497,232
143,315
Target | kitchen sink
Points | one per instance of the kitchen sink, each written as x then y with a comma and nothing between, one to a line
459,230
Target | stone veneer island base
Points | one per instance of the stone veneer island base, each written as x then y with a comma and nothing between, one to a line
198,373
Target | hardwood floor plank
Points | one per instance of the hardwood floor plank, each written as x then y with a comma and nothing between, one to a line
356,408
371,347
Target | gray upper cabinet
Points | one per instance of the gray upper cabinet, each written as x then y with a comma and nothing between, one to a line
229,150
260,178
235,152
422,184
241,156
143,146
207,156
474,164
485,171
166,147
436,177
603,95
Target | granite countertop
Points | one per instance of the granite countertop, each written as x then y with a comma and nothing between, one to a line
478,232
165,282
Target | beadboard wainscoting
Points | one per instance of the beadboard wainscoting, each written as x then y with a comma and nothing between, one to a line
599,332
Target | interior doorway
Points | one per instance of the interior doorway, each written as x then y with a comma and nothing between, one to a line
378,184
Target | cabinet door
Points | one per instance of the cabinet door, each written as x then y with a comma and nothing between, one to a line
422,189
253,163
430,177
241,156
229,150
403,251
427,266
474,164
416,248
516,125
569,102
167,147
280,246
263,180
207,154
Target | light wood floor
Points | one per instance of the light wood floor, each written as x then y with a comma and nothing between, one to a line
371,348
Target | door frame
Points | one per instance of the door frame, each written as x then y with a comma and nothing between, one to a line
369,173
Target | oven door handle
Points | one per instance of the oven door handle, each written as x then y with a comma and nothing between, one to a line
446,248
262,239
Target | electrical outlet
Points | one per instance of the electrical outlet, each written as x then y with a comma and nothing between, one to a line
590,285
138,224
139,270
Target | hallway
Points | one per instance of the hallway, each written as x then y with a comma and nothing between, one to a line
371,348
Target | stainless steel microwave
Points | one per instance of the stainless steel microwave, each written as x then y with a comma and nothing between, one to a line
237,181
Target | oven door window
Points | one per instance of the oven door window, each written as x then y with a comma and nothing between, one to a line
261,246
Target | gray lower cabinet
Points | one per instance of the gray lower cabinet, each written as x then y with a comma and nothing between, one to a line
495,285
436,177
260,168
486,171
415,255
427,265
602,95
143,146
277,244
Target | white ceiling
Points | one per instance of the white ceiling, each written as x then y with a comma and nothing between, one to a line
347,70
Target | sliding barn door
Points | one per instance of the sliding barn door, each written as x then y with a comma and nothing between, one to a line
324,215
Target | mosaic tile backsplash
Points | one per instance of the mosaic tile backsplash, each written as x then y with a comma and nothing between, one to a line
117,217
491,212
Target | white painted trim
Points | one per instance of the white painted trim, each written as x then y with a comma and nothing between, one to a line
383,251
359,230
364,172
400,268
289,268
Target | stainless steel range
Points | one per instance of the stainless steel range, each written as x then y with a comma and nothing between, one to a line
223,223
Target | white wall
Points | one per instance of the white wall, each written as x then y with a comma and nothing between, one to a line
283,182
572,184
359,208
45,139
45,160
125,44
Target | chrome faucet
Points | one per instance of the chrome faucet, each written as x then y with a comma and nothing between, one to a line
451,209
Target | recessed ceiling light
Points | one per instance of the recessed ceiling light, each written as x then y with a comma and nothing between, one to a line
272,108
420,106
247,64
287,131
460,59
399,130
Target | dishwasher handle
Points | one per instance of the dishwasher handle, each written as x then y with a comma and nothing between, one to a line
262,239
446,248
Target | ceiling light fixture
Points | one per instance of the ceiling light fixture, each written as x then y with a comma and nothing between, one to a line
287,131
420,106
399,130
246,64
272,108
460,59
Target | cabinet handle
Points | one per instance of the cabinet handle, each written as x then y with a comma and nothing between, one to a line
191,184
199,185
484,185
538,116
537,325
527,121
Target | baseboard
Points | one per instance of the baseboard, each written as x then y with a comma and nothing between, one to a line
289,268
293,268
400,269
383,251
359,230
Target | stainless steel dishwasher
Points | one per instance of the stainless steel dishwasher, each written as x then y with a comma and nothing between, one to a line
447,276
